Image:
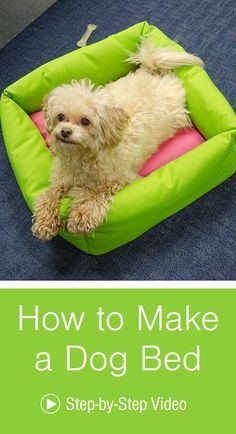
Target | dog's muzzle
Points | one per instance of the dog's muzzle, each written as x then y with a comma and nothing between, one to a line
66,132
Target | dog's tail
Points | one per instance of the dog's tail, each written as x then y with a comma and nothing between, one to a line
157,58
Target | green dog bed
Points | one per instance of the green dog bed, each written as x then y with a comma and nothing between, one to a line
149,200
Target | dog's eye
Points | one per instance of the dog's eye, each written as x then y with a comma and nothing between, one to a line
61,117
85,122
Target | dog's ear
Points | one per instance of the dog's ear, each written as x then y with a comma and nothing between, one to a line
113,121
45,107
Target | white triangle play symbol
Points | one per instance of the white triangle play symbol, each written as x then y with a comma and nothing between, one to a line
50,404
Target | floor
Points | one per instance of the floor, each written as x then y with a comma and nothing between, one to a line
16,15
198,243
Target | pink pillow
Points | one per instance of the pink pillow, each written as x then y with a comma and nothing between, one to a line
39,121
183,142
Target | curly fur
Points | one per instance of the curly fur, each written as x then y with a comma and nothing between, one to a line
128,119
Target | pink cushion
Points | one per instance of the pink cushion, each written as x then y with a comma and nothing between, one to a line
183,142
38,120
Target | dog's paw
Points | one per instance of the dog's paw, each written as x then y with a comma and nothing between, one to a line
81,224
46,231
85,218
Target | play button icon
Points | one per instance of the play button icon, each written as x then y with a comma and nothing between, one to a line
50,403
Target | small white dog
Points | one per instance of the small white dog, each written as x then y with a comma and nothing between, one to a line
103,135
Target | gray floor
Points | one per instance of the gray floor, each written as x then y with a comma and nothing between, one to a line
15,15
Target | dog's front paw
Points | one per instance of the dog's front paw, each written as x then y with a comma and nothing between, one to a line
45,231
85,218
81,224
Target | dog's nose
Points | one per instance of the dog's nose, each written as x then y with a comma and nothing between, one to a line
66,132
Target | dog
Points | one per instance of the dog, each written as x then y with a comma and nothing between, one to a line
102,135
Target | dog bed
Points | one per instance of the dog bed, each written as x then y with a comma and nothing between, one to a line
158,195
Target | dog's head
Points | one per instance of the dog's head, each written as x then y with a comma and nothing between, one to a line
82,115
